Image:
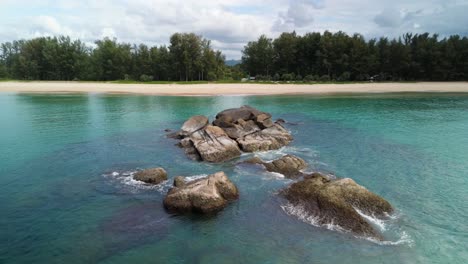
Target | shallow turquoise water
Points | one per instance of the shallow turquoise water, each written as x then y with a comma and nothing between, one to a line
65,197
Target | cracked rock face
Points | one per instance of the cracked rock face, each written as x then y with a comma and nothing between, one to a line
195,123
206,195
214,145
234,130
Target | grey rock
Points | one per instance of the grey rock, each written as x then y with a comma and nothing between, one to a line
194,123
290,166
270,138
214,145
336,201
206,195
152,176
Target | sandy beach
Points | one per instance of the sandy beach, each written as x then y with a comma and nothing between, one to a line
229,89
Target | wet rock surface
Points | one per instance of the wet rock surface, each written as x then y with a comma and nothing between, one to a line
337,201
206,195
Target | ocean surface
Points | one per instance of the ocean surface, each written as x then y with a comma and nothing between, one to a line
67,195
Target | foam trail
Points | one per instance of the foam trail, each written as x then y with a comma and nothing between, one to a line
134,186
373,220
301,213
195,177
404,239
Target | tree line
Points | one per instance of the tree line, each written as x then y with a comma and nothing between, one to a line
339,57
290,57
189,57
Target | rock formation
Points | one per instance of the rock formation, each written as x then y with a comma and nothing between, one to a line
209,194
234,130
337,202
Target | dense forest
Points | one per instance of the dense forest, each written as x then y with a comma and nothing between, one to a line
189,57
290,57
340,57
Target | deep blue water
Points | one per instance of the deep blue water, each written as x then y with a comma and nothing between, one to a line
65,196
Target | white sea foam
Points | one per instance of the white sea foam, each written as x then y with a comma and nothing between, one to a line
373,220
275,174
274,154
404,239
195,177
301,213
126,179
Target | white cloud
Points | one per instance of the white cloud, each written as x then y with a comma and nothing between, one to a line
389,17
300,13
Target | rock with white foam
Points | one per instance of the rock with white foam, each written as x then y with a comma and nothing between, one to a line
337,202
151,176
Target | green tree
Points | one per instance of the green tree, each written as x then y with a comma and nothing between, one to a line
257,56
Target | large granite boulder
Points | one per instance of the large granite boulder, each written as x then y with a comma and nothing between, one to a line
270,138
244,112
336,202
290,166
152,176
206,195
242,121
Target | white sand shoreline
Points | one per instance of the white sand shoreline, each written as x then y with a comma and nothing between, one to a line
214,89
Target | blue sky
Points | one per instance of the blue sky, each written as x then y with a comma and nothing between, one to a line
229,24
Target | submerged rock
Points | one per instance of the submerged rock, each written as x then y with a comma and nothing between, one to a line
153,175
290,166
209,194
337,202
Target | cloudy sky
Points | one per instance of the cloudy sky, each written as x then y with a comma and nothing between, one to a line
228,23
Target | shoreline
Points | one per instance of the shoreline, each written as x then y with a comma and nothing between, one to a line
220,89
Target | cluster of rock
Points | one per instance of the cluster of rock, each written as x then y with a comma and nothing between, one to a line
338,201
234,131
329,200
